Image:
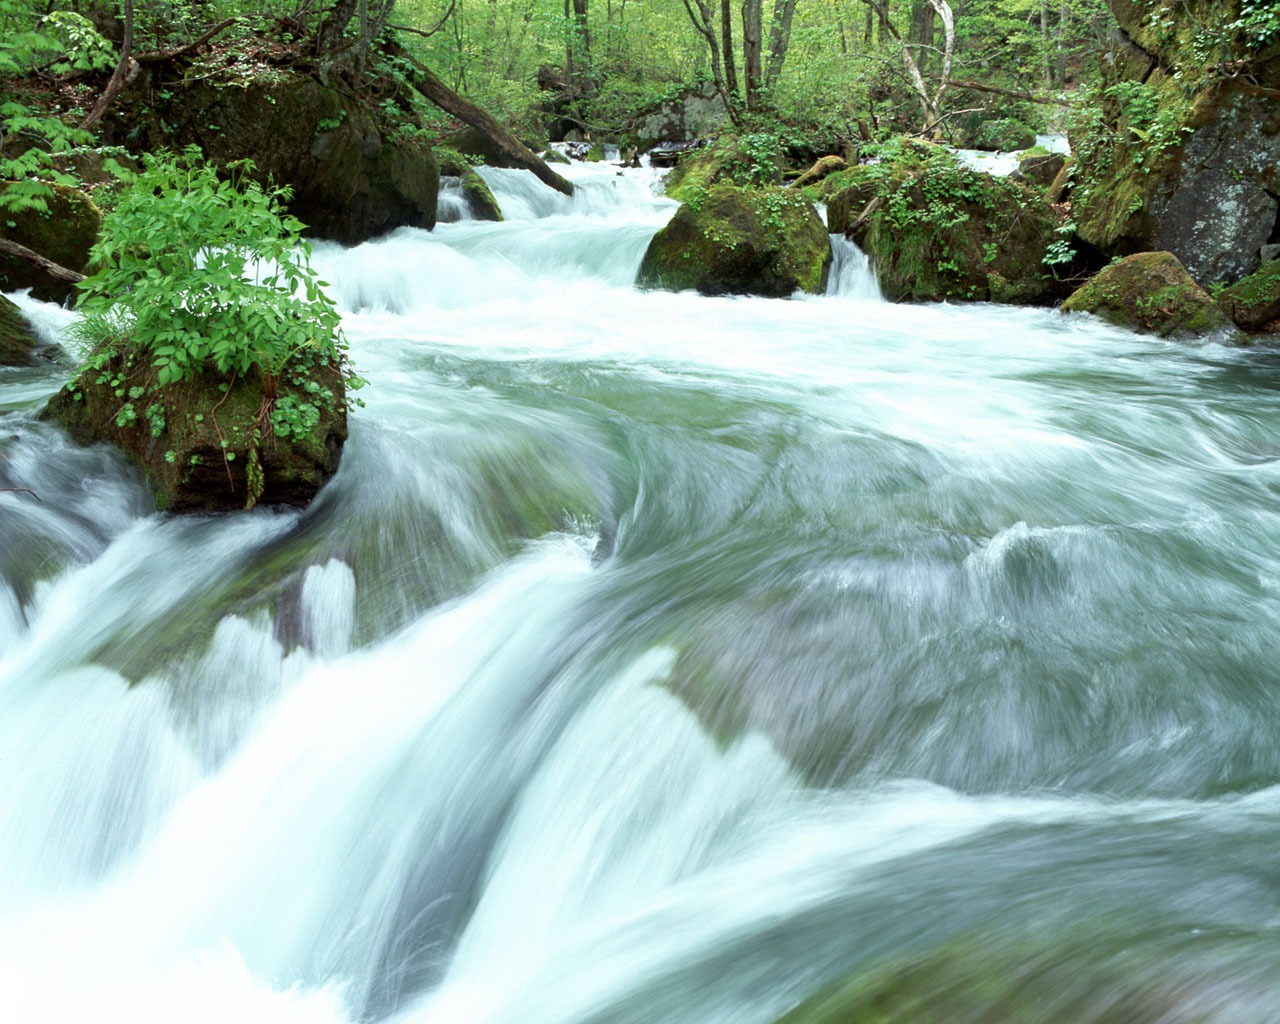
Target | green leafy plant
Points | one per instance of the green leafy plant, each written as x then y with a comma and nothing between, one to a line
198,272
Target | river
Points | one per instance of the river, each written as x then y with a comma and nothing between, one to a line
656,659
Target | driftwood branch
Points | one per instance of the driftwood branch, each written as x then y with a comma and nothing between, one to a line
428,32
508,145
156,56
126,69
863,217
21,490
55,270
1013,94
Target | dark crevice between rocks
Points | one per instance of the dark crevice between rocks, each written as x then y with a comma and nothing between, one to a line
1274,237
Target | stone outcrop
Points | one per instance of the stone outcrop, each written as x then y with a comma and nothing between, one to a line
1150,292
352,179
736,241
1187,157
1254,302
207,449
64,234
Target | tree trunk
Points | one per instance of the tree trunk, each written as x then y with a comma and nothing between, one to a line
752,43
726,43
508,145
779,39
120,77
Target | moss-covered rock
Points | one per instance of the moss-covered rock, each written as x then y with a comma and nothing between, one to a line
1003,134
205,445
737,241
1254,303
745,160
937,231
352,177
17,343
1041,170
64,234
480,199
1150,292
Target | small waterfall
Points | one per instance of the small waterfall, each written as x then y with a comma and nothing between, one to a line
852,276
451,204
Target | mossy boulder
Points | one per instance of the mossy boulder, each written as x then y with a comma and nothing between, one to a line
939,231
1004,135
64,234
1150,292
209,445
480,199
17,343
1039,171
736,241
744,160
1254,303
352,177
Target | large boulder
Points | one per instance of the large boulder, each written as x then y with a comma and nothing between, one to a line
736,241
1254,302
64,234
204,446
1150,292
938,231
1180,157
690,115
352,178
17,343
749,161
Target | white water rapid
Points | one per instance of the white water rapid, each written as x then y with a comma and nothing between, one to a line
659,659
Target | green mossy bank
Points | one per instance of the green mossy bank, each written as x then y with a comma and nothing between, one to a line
63,234
739,241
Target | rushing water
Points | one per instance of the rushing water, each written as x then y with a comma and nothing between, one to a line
655,658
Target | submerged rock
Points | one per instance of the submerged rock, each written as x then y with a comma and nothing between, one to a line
1254,303
208,445
736,241
1150,292
64,234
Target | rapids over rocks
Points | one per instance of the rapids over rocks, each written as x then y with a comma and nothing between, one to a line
658,659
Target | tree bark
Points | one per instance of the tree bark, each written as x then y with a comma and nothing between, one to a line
726,42
779,39
508,145
752,44
120,77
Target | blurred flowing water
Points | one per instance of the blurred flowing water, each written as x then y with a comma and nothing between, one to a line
658,658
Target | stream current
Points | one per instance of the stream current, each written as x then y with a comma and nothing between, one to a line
656,658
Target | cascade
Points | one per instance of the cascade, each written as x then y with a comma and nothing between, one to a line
658,659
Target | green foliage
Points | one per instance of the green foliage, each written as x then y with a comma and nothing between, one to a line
34,169
1259,22
196,273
